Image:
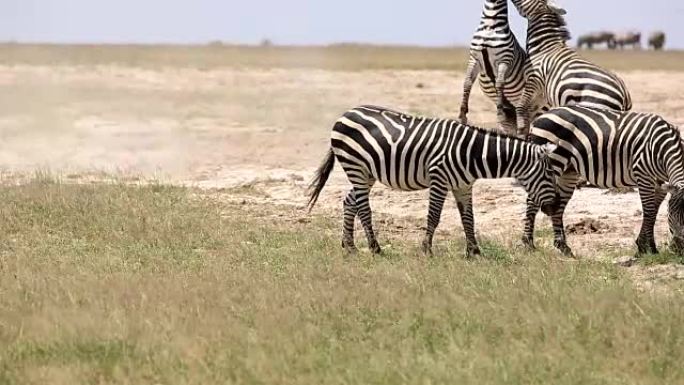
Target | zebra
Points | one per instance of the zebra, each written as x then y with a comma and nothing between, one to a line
557,75
498,60
613,149
413,153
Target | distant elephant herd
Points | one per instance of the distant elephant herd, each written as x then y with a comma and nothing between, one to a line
656,40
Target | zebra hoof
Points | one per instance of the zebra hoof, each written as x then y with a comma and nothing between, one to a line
472,252
351,250
426,248
646,248
375,248
349,247
564,249
528,243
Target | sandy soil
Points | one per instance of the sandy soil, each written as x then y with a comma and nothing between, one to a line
267,129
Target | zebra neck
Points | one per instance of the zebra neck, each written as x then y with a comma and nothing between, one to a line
494,15
675,169
545,33
516,157
494,30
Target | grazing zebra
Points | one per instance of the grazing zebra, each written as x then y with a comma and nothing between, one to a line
499,60
415,153
613,149
557,75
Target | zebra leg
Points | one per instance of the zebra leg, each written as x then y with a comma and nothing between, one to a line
530,216
464,201
566,188
504,108
651,199
350,211
472,71
524,109
362,193
437,196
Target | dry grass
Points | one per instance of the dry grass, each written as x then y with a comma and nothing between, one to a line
160,284
155,284
336,57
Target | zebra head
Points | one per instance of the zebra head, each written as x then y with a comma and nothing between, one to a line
529,8
540,180
675,219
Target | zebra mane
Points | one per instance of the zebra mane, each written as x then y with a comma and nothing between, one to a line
561,24
492,131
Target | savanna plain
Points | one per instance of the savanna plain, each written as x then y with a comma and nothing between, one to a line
153,231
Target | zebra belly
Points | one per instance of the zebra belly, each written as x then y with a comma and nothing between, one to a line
401,174
611,184
405,188
616,178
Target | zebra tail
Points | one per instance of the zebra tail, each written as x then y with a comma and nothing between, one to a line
320,178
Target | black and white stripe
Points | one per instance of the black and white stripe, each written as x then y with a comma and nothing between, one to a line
612,149
414,153
557,76
499,60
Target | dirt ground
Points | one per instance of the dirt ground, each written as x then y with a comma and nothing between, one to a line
266,131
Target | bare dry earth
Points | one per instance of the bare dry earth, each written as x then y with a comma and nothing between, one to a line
267,129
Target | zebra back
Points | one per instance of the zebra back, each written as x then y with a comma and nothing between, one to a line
612,148
405,152
557,75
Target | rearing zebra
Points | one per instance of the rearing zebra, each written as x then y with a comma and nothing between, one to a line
414,153
498,58
614,149
558,76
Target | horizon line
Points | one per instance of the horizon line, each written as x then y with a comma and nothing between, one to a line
264,45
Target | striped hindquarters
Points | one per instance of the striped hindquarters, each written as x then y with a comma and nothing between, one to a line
384,145
575,81
609,148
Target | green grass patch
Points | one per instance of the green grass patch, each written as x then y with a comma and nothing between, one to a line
158,284
665,256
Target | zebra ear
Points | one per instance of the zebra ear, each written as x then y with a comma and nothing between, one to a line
556,8
549,148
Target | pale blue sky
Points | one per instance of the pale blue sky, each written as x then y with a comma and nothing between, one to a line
424,22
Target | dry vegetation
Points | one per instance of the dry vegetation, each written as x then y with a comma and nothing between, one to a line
160,284
229,281
349,57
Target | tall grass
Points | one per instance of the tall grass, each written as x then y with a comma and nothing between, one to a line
157,284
